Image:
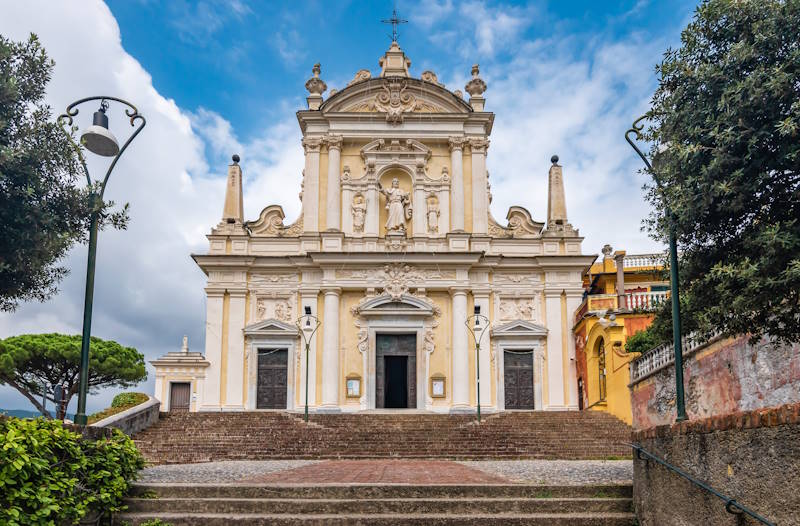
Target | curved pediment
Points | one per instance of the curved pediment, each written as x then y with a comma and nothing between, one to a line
520,224
396,97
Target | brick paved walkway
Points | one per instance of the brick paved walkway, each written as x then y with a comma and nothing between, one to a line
382,472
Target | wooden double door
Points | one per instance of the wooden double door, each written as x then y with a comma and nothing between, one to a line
272,379
518,380
396,371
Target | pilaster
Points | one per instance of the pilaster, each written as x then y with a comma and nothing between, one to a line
235,373
480,199
333,206
555,350
213,353
308,298
311,204
457,185
459,354
330,350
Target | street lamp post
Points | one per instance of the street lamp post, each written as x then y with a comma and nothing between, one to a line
307,325
477,325
99,140
680,404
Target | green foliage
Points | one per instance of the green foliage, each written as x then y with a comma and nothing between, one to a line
29,361
120,403
44,204
642,341
129,399
155,522
49,475
726,121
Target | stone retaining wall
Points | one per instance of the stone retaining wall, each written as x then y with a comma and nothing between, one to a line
134,419
751,456
722,377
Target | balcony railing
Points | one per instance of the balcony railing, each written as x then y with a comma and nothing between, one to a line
664,355
647,301
643,260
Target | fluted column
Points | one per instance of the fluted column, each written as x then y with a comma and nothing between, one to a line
480,199
460,352
311,185
457,184
333,208
330,349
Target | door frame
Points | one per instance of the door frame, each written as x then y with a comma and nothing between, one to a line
271,334
416,370
190,383
538,372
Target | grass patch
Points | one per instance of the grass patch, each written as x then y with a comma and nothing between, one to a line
120,403
543,494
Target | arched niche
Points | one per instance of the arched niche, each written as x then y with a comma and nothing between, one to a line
406,181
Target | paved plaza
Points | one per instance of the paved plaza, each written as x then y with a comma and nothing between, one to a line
554,472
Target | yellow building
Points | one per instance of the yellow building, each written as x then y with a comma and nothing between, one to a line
622,291
394,251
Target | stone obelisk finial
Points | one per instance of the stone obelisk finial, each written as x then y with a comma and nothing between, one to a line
556,199
233,211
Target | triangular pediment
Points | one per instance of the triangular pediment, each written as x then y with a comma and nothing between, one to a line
405,304
519,328
270,327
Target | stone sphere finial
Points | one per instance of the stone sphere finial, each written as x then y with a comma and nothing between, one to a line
236,158
554,159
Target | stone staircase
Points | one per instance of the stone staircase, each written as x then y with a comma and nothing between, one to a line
265,435
192,504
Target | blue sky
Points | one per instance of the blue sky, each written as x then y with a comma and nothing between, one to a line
217,77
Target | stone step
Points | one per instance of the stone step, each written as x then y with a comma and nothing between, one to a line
474,505
380,491
422,519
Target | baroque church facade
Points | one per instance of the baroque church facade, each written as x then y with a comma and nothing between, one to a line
394,252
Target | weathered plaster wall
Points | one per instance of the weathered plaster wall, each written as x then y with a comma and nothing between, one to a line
724,377
753,457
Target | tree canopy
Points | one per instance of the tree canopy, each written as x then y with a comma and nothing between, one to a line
34,363
44,198
725,136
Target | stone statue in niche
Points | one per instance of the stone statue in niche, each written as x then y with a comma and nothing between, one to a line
433,214
398,205
359,210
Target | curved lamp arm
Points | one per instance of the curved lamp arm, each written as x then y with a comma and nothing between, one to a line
483,324
65,120
301,325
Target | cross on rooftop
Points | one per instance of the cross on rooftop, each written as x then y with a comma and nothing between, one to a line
395,21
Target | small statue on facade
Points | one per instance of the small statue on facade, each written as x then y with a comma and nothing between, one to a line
359,211
433,214
398,205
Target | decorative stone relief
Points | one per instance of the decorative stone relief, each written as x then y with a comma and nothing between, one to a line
277,308
518,309
428,344
430,76
514,279
395,100
257,280
433,214
359,211
397,278
361,75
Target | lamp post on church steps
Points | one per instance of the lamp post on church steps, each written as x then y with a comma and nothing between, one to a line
100,141
477,325
680,404
307,325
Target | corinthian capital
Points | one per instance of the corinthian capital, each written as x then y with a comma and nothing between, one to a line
311,144
334,142
456,143
478,144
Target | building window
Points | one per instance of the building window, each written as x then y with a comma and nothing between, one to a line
601,369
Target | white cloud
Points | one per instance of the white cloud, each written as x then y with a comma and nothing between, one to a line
148,291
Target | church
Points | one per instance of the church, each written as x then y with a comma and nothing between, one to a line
393,268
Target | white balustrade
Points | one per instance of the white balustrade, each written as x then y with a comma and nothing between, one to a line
643,260
648,300
663,355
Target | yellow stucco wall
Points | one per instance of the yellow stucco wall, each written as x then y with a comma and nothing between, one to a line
618,400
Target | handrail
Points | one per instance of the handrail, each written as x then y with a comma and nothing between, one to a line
731,506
